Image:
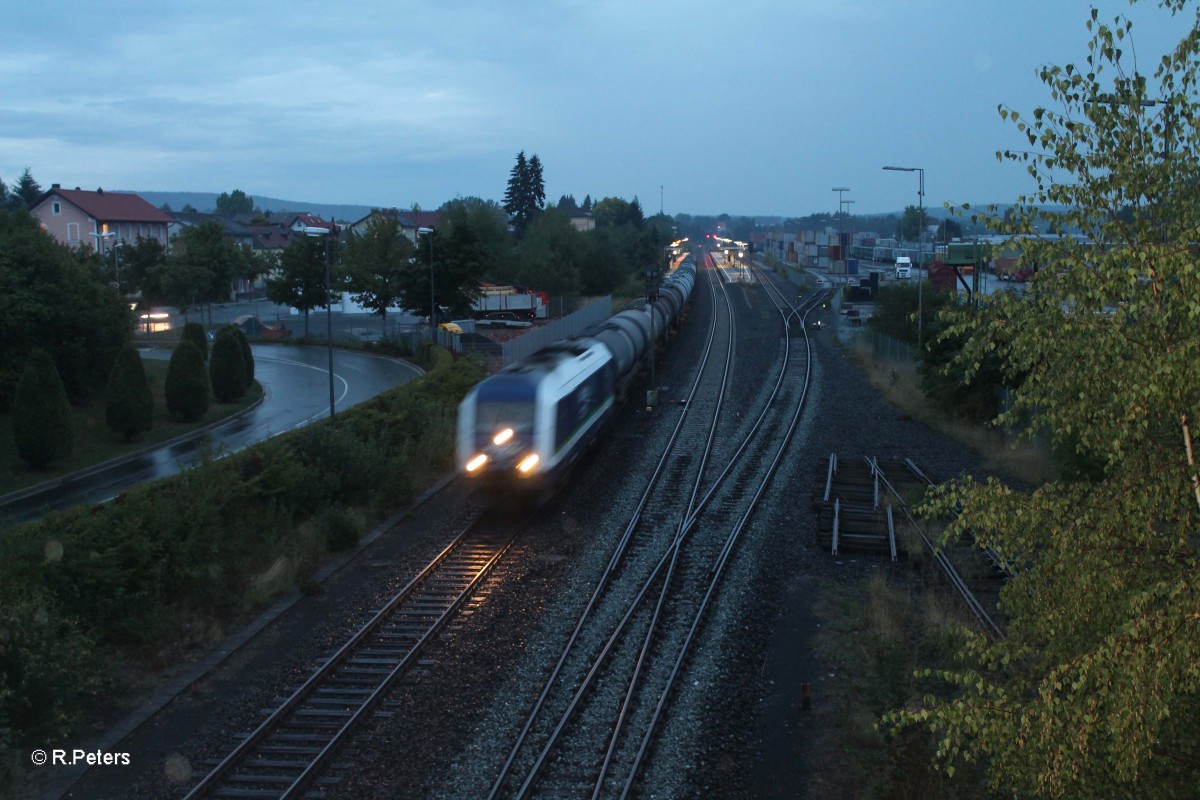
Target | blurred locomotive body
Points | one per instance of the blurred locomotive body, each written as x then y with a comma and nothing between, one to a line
521,429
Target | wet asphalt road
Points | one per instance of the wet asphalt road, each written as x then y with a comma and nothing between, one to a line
295,381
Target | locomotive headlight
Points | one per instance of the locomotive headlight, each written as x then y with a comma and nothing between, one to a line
476,462
528,463
503,436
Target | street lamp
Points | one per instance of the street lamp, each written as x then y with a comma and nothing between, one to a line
101,235
920,248
326,233
840,190
428,233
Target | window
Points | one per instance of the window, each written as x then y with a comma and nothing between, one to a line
72,231
56,208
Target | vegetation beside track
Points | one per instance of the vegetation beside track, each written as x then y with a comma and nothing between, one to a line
171,565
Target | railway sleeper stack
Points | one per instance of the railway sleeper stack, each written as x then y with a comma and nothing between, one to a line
854,510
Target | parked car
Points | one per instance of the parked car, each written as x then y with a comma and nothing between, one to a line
451,327
254,327
503,319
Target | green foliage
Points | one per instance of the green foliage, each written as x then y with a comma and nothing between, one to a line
53,300
247,353
45,671
300,282
340,530
186,387
202,265
232,204
128,402
375,265
896,306
227,369
1095,692
525,196
41,413
183,555
194,332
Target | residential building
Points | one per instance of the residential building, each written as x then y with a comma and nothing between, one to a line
99,220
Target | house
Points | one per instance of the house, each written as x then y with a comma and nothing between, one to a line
234,231
99,220
310,223
410,221
583,221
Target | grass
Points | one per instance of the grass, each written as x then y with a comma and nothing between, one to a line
900,384
95,443
873,634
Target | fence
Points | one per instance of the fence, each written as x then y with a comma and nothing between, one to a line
536,338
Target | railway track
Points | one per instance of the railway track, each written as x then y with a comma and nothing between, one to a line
290,753
592,727
863,504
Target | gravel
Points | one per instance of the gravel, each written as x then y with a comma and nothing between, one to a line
733,728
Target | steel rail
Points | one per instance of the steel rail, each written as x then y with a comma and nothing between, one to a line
212,781
618,554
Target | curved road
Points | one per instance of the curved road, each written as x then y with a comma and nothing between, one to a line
295,381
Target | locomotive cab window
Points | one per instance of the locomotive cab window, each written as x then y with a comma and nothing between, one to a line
494,416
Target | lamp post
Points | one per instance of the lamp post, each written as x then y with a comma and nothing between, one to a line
318,232
920,247
101,235
428,233
840,190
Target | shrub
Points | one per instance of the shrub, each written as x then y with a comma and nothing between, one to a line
129,403
41,414
342,530
247,355
186,386
194,332
227,368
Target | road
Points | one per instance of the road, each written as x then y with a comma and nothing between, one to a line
296,391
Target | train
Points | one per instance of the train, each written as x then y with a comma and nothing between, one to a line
523,428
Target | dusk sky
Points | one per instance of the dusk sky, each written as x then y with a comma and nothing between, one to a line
750,107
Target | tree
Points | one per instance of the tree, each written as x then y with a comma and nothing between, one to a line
912,223
300,282
1095,692
525,196
247,354
41,414
201,266
143,265
551,255
194,332
231,205
27,189
58,300
226,368
948,229
375,264
186,387
128,402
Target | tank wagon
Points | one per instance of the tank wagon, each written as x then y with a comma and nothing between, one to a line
522,428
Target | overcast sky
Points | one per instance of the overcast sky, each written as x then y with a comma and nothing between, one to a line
744,107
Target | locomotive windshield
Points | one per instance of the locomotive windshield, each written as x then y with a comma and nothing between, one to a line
494,416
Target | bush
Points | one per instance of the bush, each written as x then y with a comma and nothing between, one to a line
227,368
194,332
247,355
129,403
341,530
186,386
41,414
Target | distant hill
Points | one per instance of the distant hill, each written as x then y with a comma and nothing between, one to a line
207,201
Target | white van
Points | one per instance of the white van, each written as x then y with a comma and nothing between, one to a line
903,267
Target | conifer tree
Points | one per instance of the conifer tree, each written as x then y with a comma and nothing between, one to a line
41,414
194,332
525,196
226,368
129,403
186,387
247,354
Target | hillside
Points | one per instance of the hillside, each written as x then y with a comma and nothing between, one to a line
207,201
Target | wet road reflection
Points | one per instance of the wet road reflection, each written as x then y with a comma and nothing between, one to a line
296,391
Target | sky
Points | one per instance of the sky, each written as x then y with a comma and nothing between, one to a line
753,107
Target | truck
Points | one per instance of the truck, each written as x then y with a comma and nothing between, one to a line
526,305
903,267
